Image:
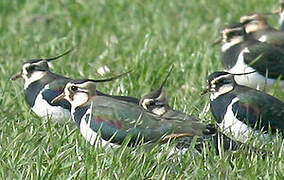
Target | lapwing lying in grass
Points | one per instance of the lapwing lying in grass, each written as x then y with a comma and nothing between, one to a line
116,119
257,27
41,86
242,112
157,103
241,54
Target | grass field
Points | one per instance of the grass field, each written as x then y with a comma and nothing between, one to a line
146,36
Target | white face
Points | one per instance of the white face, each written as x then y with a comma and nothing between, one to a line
146,102
157,110
31,76
231,43
220,85
222,90
76,95
228,41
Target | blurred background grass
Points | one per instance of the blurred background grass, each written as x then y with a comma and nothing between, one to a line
146,36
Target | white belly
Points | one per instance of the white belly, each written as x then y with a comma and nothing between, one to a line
232,127
90,135
45,110
254,80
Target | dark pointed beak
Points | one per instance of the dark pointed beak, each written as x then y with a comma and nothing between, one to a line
58,98
217,41
16,76
205,91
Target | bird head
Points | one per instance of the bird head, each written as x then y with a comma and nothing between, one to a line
231,34
157,100
81,92
35,69
251,17
255,22
221,82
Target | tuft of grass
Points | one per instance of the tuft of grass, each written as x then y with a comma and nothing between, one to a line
147,37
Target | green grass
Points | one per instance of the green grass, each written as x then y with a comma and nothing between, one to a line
146,36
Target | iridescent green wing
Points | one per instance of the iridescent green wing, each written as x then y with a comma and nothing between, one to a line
259,109
120,118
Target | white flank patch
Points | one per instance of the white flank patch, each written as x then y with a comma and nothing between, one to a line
90,135
253,80
231,126
45,110
281,19
263,38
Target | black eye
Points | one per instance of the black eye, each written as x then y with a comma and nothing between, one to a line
236,33
152,103
74,88
30,68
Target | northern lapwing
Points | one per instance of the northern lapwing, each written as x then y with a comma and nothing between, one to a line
257,27
116,119
241,54
157,103
242,112
41,86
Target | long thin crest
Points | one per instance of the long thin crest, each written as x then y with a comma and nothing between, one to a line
110,79
59,56
168,75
